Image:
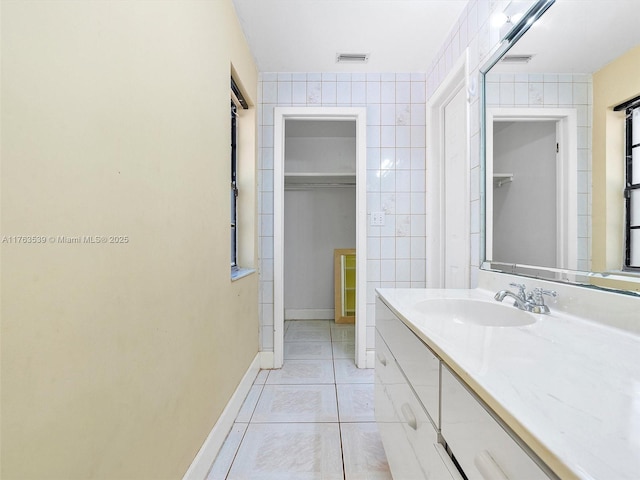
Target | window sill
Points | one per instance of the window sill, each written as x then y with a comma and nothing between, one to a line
238,273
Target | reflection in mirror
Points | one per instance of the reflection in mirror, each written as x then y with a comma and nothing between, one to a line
556,148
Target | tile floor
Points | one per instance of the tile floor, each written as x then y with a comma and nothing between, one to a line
312,419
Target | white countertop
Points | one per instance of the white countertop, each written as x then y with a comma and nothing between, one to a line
569,388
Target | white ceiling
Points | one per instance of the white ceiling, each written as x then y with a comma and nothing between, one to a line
305,35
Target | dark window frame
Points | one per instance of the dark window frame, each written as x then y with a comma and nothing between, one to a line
629,187
234,187
238,101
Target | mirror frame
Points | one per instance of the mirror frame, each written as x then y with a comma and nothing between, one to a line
598,280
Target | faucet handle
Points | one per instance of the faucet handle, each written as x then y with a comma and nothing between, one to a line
538,295
521,289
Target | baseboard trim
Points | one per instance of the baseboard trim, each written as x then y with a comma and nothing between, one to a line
205,457
267,360
309,314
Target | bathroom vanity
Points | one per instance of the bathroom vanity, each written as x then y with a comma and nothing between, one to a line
468,387
507,393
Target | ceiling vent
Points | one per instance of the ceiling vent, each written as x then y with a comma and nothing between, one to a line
516,58
352,57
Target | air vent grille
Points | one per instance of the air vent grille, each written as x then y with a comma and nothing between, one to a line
352,57
516,58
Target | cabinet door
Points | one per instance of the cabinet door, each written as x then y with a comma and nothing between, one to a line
483,448
420,434
409,438
402,460
417,362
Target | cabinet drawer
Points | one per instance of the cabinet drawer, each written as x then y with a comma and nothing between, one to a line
481,445
386,368
386,373
408,436
420,434
402,458
403,461
419,364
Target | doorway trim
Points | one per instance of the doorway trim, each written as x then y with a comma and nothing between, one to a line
359,115
436,235
567,195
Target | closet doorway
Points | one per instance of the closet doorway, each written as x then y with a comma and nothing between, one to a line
514,128
319,206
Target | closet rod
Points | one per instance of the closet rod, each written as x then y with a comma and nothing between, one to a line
306,186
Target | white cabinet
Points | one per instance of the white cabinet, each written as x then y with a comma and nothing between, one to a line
419,364
481,445
403,461
417,398
408,434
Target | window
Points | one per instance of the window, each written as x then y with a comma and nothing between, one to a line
238,102
234,187
632,184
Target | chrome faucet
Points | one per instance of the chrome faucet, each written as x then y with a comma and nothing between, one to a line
529,301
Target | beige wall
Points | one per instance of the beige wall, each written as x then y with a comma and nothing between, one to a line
613,84
117,360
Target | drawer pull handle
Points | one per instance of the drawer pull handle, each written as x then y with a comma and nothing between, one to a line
409,416
488,467
382,359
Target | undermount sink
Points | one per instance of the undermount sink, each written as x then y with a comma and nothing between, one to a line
477,312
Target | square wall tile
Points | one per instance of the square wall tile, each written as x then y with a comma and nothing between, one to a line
284,93
403,92
269,92
373,92
299,93
388,92
359,93
328,93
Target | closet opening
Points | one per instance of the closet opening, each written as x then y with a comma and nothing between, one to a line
319,216
531,174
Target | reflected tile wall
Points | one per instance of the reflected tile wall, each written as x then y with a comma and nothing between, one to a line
557,90
396,131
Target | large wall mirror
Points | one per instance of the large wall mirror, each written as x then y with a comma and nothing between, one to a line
560,169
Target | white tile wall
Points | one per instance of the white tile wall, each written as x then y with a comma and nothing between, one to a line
396,150
395,181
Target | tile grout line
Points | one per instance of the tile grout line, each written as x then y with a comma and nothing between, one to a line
333,362
235,455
